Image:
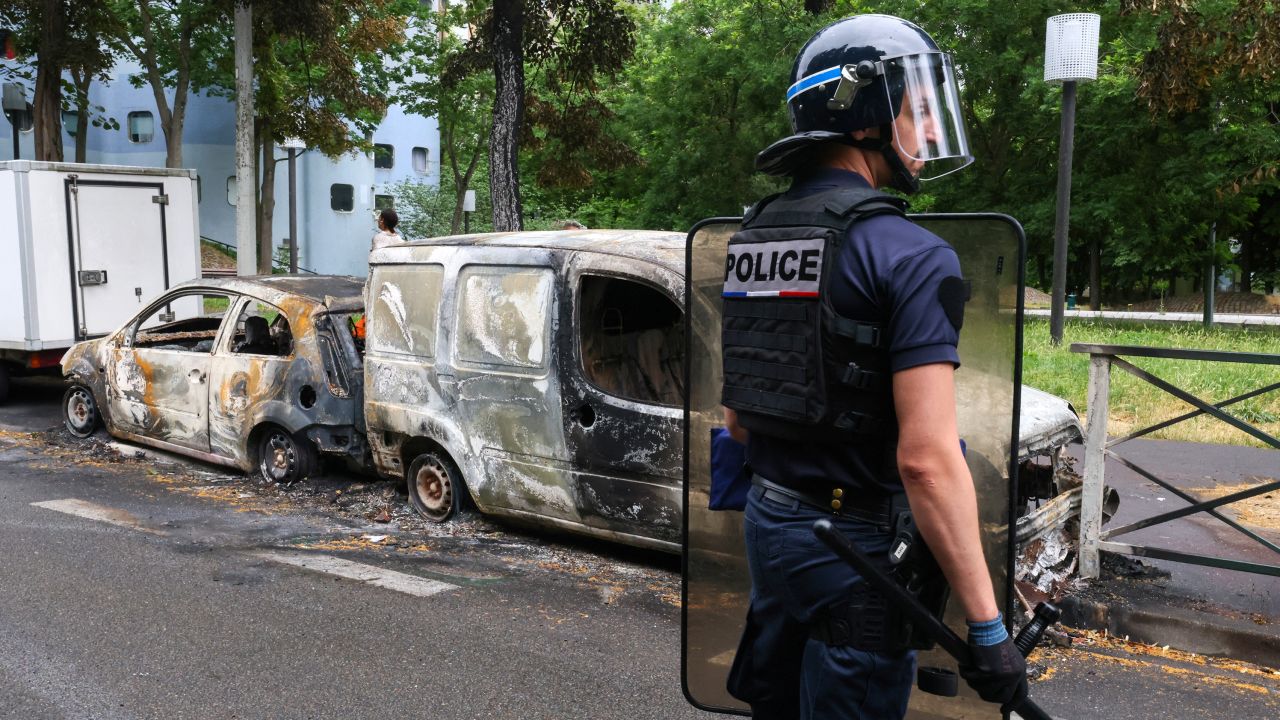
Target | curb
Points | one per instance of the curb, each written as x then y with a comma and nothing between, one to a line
1184,629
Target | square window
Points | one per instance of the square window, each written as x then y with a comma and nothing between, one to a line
420,157
232,191
384,202
384,156
342,197
71,121
405,308
503,316
142,126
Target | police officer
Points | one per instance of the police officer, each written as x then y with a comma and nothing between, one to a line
841,320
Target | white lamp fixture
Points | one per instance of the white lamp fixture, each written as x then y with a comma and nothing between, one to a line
1070,57
1071,48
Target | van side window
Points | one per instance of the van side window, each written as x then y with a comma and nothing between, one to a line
261,329
502,315
631,340
404,309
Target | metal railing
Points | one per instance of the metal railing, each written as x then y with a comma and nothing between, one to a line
1102,358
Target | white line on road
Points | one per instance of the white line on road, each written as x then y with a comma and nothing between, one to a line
369,574
93,511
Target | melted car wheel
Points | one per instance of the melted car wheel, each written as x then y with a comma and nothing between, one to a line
79,411
435,486
284,458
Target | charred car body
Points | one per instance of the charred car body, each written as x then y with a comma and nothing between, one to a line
537,374
255,373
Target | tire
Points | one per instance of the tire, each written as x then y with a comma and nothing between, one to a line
284,458
4,382
80,411
436,489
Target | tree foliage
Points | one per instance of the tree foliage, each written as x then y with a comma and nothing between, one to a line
57,36
167,39
1156,165
566,47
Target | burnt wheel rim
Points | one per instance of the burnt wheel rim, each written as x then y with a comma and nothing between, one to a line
434,490
80,411
280,458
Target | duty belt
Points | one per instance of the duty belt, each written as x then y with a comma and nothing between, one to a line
840,501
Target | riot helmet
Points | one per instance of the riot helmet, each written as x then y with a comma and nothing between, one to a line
865,72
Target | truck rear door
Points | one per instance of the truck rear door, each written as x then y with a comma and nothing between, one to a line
119,250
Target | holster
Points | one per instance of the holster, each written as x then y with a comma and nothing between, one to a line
864,620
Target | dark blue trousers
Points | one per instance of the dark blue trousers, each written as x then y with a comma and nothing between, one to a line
779,670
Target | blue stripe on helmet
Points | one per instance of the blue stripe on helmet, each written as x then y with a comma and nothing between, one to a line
822,76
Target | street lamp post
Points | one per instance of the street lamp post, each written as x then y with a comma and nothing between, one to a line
293,145
1070,57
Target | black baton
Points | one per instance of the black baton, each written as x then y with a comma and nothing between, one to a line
946,638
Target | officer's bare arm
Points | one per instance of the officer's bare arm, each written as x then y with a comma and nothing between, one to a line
736,431
938,483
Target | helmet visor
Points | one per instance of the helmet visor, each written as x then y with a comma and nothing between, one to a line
929,129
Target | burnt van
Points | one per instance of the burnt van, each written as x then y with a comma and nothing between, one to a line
536,375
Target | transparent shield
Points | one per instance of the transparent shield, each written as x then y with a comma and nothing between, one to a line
716,582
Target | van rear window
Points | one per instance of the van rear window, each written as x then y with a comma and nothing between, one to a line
502,315
404,305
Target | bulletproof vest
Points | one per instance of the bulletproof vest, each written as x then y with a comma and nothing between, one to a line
794,368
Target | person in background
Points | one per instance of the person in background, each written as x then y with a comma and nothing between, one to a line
572,225
387,235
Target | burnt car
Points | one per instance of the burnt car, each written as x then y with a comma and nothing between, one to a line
539,375
536,374
258,373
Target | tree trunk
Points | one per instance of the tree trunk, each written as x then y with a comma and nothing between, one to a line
817,7
267,202
82,81
508,114
47,106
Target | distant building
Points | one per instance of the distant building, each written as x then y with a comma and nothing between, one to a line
337,200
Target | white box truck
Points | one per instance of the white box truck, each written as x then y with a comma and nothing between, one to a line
82,247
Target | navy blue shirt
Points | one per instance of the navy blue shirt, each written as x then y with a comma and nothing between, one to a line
887,267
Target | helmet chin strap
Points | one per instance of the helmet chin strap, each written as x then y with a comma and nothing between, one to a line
900,178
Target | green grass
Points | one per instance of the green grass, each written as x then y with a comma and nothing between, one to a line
1135,403
214,304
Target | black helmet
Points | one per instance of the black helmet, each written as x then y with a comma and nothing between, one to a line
854,75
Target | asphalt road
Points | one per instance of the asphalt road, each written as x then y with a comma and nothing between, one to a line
135,589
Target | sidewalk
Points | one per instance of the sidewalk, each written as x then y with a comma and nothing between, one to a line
1198,609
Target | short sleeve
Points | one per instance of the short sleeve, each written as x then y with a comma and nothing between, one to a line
920,330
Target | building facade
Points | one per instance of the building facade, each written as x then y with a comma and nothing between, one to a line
337,200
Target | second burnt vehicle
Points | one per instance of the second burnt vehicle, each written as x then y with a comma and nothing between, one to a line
539,375
258,373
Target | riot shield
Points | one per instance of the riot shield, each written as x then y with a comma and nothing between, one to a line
716,584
